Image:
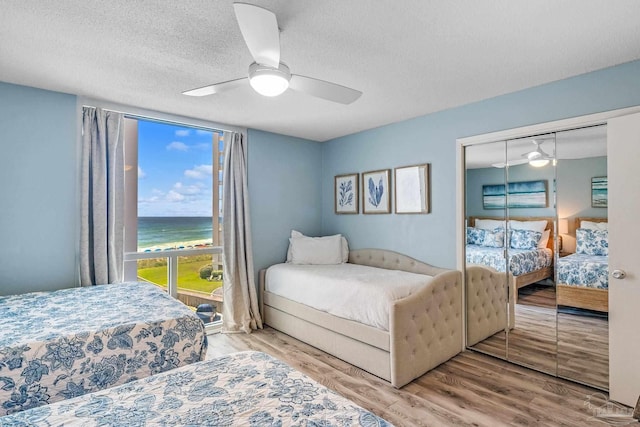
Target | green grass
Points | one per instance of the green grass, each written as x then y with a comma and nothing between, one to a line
155,270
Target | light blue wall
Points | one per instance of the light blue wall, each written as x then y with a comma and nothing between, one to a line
38,193
431,138
284,192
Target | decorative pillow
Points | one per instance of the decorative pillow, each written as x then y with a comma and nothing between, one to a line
344,244
592,242
316,250
474,236
591,225
488,238
524,239
542,244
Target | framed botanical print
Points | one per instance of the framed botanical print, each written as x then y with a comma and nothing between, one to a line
376,192
346,194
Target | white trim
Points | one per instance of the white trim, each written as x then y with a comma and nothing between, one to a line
143,113
548,127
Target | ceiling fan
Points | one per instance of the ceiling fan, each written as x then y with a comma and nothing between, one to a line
267,75
536,158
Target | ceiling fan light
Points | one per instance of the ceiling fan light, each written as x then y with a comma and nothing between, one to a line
538,163
268,81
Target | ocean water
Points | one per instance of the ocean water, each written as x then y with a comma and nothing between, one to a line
163,232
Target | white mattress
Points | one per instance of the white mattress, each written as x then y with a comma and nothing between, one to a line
351,291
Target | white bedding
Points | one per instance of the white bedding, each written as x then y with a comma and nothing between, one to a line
350,291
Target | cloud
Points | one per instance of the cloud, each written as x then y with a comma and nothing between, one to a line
203,132
179,187
199,172
174,196
183,132
178,146
141,173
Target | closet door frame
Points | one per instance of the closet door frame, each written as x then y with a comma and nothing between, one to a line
504,135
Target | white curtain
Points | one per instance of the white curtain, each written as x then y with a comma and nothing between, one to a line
102,197
240,311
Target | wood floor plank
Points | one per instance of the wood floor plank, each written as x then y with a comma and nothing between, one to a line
472,389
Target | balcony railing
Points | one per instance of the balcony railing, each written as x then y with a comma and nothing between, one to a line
188,297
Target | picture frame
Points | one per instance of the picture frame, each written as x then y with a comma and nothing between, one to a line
412,191
376,192
346,194
599,192
525,194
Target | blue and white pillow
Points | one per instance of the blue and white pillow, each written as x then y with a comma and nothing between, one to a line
592,242
524,239
488,238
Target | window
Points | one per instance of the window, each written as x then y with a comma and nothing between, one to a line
173,212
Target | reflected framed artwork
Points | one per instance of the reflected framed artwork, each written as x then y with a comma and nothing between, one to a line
527,194
346,194
599,192
412,189
376,192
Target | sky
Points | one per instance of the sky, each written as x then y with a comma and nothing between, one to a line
174,170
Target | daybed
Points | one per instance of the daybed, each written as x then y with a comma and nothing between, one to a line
486,299
526,266
62,344
424,328
241,389
583,277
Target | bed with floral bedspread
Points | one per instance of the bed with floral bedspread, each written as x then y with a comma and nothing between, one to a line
62,344
521,261
591,271
241,389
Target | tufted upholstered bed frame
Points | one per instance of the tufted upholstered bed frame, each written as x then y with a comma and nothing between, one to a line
486,298
425,328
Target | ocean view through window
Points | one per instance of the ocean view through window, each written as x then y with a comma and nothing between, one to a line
173,234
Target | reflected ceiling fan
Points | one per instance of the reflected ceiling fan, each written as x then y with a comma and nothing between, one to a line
267,75
536,158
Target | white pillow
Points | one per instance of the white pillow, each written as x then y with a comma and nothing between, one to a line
489,224
538,226
316,250
344,244
590,225
542,244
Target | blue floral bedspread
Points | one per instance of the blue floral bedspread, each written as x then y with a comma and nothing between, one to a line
241,389
63,344
591,271
521,261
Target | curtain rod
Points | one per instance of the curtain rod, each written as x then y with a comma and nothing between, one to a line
141,113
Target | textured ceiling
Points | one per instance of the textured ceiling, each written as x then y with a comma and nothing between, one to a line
410,58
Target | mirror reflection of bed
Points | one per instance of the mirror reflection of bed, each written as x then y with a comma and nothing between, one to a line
552,317
583,326
531,335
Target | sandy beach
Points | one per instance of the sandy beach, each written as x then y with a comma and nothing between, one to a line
191,244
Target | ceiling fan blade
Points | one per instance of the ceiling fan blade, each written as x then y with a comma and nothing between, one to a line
216,88
510,163
259,29
325,90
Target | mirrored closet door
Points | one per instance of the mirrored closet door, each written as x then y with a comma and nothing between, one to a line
582,259
524,202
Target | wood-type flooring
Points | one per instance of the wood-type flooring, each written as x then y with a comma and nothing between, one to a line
472,389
